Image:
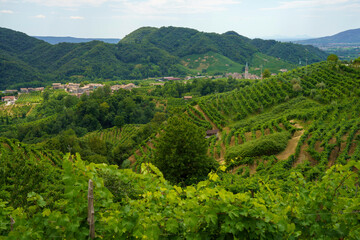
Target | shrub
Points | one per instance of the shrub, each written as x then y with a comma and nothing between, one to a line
266,145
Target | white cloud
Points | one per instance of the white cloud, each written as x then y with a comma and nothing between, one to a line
146,6
307,4
40,16
6,11
76,17
163,7
68,3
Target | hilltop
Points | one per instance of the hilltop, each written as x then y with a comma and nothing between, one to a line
146,52
56,40
345,44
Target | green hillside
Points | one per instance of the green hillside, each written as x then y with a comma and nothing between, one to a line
211,63
147,52
287,151
267,62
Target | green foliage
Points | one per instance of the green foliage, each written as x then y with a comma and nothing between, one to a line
25,169
181,152
332,58
145,205
266,145
266,73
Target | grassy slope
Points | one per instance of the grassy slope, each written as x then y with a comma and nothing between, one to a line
212,62
271,63
215,63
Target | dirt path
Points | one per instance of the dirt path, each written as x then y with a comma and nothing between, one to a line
293,142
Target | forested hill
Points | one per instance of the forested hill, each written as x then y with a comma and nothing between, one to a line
346,37
184,41
147,52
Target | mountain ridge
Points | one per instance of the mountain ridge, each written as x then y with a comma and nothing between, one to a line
146,52
55,40
350,36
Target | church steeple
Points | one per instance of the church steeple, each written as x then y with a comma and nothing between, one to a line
246,75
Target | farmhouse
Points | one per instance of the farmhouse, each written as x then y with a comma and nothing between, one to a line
10,91
187,97
9,99
210,133
171,78
27,90
126,87
58,86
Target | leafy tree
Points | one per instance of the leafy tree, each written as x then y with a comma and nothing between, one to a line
357,61
266,73
332,58
182,152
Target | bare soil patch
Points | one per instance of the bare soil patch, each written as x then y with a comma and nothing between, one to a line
258,134
332,140
267,131
232,141
304,155
318,147
333,155
291,146
248,136
240,141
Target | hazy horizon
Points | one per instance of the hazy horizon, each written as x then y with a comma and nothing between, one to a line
117,18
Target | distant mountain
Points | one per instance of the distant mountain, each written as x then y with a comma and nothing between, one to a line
56,40
146,52
342,38
184,41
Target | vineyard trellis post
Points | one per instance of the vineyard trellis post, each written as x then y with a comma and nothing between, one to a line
91,211
12,222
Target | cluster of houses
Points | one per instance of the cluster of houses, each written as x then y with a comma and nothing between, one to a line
11,99
29,90
124,86
77,90
8,99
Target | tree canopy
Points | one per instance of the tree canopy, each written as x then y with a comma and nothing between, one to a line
181,152
332,58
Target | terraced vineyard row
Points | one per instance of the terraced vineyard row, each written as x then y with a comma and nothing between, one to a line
332,131
116,135
34,97
15,148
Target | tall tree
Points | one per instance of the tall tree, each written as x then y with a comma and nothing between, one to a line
266,73
332,58
181,154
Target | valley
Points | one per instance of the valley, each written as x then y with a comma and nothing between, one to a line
212,156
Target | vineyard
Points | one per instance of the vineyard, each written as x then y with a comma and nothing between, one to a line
34,97
320,99
10,113
289,151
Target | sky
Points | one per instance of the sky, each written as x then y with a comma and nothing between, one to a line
117,18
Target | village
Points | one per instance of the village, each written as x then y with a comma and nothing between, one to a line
78,89
74,89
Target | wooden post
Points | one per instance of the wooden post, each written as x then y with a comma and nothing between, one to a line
91,211
12,222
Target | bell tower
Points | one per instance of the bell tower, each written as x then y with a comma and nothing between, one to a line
246,74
